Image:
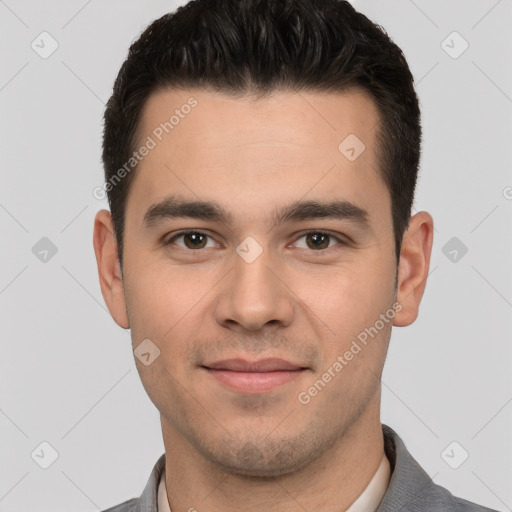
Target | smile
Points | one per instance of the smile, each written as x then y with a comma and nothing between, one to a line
254,377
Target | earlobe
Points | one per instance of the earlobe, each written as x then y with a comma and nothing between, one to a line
109,270
414,266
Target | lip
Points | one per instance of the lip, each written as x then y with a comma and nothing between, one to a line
271,364
254,376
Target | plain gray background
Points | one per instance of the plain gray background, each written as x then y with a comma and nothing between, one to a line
67,373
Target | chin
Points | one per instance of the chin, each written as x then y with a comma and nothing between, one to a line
265,458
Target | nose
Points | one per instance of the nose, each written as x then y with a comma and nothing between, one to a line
255,295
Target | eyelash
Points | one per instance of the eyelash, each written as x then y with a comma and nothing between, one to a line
340,241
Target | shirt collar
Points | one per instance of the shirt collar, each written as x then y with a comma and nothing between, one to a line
368,500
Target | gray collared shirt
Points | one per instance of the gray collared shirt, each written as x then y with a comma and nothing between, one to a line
368,500
410,489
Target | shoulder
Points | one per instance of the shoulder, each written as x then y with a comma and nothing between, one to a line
148,500
126,506
437,498
410,488
467,506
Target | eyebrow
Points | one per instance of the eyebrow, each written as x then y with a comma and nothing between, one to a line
174,207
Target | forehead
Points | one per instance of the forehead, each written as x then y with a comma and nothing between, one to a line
248,152
306,118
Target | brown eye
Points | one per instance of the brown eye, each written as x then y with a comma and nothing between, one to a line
194,240
191,240
318,240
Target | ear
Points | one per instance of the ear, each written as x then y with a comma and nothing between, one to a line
413,267
109,269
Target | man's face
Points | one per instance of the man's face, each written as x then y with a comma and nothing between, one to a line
253,286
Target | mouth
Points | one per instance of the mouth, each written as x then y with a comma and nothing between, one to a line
254,376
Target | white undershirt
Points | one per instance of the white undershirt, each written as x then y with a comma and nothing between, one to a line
368,501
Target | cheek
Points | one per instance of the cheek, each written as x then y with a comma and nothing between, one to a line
346,301
166,305
348,293
150,286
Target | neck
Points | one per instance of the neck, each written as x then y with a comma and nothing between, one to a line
330,483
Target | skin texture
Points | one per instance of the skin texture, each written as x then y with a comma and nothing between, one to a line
228,450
